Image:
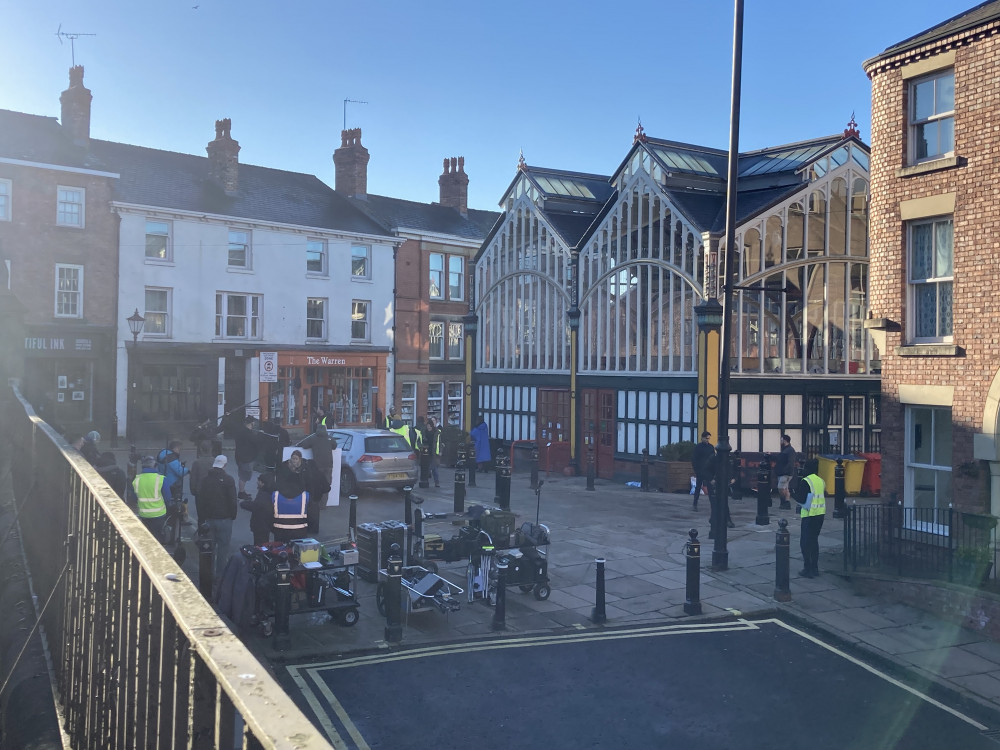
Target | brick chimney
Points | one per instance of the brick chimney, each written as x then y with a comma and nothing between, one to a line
223,157
76,108
454,184
351,162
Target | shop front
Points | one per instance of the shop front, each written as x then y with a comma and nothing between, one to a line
349,386
69,376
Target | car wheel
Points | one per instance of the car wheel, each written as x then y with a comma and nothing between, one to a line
348,484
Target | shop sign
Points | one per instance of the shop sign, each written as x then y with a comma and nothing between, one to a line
57,344
325,361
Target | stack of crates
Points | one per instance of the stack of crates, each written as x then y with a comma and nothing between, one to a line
499,524
374,545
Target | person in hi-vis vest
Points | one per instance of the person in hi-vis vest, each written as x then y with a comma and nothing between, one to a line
148,486
811,499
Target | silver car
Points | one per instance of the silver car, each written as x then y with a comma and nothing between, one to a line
374,458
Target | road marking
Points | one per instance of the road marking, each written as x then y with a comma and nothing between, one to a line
877,673
322,717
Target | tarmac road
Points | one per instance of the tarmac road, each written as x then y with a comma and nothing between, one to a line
711,686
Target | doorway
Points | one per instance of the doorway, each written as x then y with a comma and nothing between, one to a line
598,430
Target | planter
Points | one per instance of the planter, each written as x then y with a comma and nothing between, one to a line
671,476
971,572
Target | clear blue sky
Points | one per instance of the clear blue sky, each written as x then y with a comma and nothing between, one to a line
564,81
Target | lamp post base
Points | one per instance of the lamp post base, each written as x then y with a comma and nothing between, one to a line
720,560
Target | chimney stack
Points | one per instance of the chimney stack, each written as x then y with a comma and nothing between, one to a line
351,163
454,184
76,108
223,157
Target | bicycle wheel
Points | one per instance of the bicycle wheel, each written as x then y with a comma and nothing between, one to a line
171,531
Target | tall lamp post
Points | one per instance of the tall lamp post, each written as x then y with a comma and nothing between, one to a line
470,323
135,323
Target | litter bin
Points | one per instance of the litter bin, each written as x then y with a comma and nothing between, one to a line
871,482
854,468
521,453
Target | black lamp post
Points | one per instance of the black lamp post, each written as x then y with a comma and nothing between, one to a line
470,323
135,323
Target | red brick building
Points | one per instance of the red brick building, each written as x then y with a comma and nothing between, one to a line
935,243
59,247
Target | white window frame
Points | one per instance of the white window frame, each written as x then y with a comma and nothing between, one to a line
149,312
253,321
911,466
65,217
6,199
77,293
247,246
456,278
364,319
361,252
435,339
324,304
454,326
168,250
314,246
915,124
436,275
913,284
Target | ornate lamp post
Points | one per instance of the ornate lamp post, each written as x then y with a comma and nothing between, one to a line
135,323
471,325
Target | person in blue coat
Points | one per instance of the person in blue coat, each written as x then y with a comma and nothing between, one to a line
169,464
480,435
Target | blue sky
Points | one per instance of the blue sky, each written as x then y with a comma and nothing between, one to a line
564,81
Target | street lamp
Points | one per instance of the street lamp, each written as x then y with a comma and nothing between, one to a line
470,323
135,323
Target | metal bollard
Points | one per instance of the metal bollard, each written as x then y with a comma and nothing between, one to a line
407,505
599,614
282,604
418,522
591,469
782,550
839,490
502,498
393,594
470,460
763,491
644,470
500,610
459,501
692,591
352,518
534,468
206,560
425,466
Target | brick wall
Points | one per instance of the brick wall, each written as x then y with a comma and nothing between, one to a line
976,309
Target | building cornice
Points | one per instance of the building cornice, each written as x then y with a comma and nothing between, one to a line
879,64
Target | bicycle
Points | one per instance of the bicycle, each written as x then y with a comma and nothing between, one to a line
172,536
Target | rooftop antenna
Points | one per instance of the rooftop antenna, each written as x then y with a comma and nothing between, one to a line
72,36
352,101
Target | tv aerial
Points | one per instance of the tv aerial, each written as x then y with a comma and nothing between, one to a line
72,36
351,101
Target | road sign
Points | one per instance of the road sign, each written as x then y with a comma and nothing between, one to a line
268,367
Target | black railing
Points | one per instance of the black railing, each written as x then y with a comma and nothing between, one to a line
934,543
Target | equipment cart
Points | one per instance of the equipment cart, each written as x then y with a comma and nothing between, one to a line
424,590
527,565
322,584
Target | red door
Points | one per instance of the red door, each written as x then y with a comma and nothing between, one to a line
598,430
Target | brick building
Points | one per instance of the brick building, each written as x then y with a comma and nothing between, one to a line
59,246
934,250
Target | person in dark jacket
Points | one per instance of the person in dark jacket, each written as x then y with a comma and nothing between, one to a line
200,468
322,446
261,509
216,505
702,462
784,469
246,453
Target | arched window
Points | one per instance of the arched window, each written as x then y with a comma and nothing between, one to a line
838,217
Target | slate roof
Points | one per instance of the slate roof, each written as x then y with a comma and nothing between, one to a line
172,180
396,214
978,16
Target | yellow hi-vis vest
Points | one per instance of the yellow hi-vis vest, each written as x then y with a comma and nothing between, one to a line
148,488
290,513
818,505
404,432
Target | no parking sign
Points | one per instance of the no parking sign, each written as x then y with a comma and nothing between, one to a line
268,367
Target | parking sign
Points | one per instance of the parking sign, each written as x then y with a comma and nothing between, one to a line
268,367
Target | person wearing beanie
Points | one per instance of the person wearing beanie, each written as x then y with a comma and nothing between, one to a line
216,506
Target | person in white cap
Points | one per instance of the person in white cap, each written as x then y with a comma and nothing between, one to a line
216,506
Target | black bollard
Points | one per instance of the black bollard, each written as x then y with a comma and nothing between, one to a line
763,491
407,505
418,523
500,610
502,498
644,470
282,603
839,490
459,500
425,466
206,560
692,592
782,545
599,614
393,593
591,469
352,518
534,468
470,460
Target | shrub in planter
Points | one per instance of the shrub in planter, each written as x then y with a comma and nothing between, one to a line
672,472
681,451
973,564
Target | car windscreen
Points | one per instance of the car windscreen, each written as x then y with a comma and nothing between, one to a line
386,444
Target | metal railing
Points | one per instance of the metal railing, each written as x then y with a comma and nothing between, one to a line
140,658
937,543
